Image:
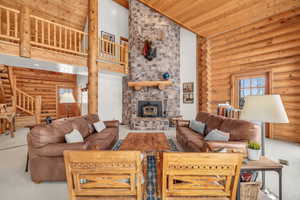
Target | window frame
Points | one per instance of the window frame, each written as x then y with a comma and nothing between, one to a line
235,88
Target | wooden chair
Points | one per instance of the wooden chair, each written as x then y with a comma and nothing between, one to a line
8,114
193,176
105,175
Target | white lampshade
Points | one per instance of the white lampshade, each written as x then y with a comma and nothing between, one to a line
67,98
267,108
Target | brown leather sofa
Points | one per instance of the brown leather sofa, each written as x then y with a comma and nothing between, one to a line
46,144
241,132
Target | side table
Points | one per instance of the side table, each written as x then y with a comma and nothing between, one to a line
264,164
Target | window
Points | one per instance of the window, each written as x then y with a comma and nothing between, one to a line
63,91
250,86
249,83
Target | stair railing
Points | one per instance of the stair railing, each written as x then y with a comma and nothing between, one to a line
29,104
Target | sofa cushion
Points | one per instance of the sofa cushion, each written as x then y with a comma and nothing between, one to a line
91,119
54,150
189,134
81,125
241,130
202,117
213,122
197,126
48,134
103,135
217,135
74,137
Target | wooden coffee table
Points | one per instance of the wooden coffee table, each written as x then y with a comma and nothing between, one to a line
146,142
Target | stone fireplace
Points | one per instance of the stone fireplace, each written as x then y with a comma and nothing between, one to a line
150,108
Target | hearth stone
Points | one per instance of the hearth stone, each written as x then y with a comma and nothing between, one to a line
141,123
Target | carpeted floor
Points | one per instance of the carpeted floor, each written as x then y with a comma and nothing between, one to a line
15,184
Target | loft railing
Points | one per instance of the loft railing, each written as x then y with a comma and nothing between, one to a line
9,24
112,52
49,35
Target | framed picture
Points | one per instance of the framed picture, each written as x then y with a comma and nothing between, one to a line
188,93
107,36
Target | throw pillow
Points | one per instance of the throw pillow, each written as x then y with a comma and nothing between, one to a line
197,126
99,126
73,137
217,135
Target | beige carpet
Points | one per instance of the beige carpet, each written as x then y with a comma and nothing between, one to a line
15,184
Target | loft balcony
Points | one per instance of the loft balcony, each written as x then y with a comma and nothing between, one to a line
26,35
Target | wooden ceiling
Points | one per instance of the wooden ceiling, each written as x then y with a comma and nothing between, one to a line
211,17
72,13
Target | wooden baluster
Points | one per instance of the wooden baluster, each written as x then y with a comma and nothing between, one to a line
54,27
36,30
24,101
0,21
79,42
75,41
32,107
16,24
43,32
38,109
60,39
48,34
66,41
8,23
70,39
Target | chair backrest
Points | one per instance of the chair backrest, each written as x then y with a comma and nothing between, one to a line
200,175
104,174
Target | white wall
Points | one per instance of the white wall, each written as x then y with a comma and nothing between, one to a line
188,64
113,18
110,97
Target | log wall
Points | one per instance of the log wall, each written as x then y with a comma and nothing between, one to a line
271,45
44,83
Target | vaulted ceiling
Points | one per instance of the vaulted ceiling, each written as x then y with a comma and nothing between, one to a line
211,17
68,12
204,17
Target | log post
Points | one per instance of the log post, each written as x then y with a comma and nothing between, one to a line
204,74
25,32
92,57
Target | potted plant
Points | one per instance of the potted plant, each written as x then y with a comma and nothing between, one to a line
253,151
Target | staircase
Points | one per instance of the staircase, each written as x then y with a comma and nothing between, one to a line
28,108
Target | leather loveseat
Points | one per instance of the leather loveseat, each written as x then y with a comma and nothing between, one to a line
46,144
241,132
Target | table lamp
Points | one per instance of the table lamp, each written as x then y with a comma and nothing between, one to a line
67,98
265,109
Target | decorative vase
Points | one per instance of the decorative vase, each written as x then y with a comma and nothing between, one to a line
253,154
166,76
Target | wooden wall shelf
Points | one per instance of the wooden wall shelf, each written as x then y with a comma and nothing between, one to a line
138,85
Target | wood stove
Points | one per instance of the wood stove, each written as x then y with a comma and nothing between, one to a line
150,109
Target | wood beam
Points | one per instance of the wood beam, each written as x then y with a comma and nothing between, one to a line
92,57
25,33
